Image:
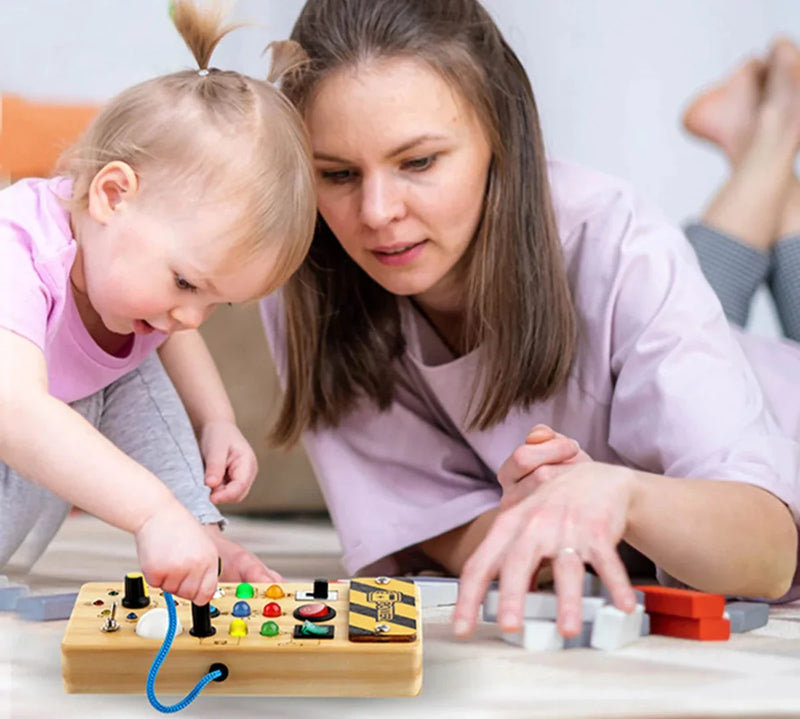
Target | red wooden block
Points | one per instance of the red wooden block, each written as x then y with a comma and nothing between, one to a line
682,602
706,629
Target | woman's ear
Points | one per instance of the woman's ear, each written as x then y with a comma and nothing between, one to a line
111,187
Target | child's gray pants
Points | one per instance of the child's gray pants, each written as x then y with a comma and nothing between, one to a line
141,414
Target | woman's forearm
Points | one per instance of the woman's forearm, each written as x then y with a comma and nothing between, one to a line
731,537
718,536
451,549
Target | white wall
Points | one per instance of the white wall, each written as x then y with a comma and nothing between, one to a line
611,76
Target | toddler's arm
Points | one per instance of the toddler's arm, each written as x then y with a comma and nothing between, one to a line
230,462
46,442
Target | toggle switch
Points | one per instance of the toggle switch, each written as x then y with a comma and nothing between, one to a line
320,589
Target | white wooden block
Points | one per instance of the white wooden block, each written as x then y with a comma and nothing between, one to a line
536,636
540,605
613,628
437,591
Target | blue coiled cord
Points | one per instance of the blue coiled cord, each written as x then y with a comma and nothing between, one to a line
159,660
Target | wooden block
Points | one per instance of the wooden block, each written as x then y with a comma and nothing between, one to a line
614,628
746,616
645,624
580,640
705,629
540,605
10,595
592,585
537,635
682,602
46,607
437,591
269,664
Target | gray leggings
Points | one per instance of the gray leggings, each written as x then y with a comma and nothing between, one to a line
141,414
736,270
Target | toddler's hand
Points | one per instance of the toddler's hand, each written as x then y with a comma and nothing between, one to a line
177,555
231,465
534,462
239,565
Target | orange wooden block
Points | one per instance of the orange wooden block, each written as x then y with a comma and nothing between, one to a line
706,629
34,134
682,602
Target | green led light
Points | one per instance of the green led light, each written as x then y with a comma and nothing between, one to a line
245,591
269,629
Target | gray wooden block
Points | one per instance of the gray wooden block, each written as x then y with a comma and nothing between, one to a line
592,586
42,608
645,624
10,595
605,594
540,605
746,616
582,639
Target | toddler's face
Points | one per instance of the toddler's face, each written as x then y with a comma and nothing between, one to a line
152,268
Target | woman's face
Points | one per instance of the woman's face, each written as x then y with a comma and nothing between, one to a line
401,163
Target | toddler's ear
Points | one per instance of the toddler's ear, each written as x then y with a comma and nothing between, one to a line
111,187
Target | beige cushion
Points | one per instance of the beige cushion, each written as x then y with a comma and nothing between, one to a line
285,481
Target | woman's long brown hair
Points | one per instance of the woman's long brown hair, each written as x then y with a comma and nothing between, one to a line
344,338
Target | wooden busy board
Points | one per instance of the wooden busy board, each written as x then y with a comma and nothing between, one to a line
375,648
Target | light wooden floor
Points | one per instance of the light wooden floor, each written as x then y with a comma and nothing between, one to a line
754,675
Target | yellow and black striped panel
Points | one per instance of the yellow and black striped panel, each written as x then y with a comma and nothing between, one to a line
382,610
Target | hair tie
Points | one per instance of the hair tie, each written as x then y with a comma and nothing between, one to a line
202,72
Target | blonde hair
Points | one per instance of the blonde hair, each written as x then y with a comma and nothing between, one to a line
232,138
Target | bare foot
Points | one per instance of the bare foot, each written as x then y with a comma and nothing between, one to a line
726,113
781,102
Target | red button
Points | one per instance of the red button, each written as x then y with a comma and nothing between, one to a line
317,609
273,609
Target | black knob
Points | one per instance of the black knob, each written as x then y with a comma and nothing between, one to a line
320,589
201,621
135,591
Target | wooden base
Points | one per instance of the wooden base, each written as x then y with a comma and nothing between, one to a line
118,662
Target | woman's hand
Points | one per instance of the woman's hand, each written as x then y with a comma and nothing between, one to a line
230,461
579,514
532,463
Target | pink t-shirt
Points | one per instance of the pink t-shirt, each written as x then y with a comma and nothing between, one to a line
660,382
37,250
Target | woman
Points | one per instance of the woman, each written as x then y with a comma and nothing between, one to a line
460,291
